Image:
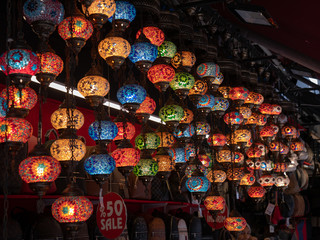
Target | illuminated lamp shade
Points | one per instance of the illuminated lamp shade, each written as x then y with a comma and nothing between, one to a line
187,116
171,115
154,34
51,67
297,146
208,70
190,150
242,136
3,107
192,168
16,130
205,160
235,224
20,65
253,164
266,109
217,140
252,120
262,120
65,149
161,75
114,50
99,11
59,118
166,51
216,81
150,141
267,180
93,88
205,104
128,133
262,147
256,191
289,132
284,149
224,91
250,99
220,106
197,184
166,139
282,181
165,163
72,209
99,166
247,180
245,111
43,15
235,174
214,203
238,94
178,155
103,130
254,152
143,54
39,172
267,165
146,168
125,13
126,157
275,128
182,83
224,156
21,100
184,135
75,30
280,167
218,176
258,99
233,118
131,96
199,88
202,128
266,133
147,107
276,109
183,60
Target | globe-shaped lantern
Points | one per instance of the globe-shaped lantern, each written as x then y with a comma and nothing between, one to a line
183,60
93,88
267,165
43,16
143,54
246,112
202,130
20,100
250,99
258,100
147,141
282,181
99,11
252,120
297,146
161,75
261,120
266,133
166,139
224,91
256,191
248,179
171,115
126,130
276,110
254,152
147,107
165,164
39,172
182,83
205,104
60,119
146,169
187,118
103,131
215,82
153,34
214,203
208,71
20,65
233,119
184,135
99,166
131,96
266,109
235,174
75,30
51,66
289,132
220,106
217,141
238,95
124,15
199,88
235,224
241,136
166,51
217,176
114,50
278,148
267,180
66,150
198,186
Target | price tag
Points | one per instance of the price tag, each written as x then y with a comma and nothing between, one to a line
269,209
271,228
111,215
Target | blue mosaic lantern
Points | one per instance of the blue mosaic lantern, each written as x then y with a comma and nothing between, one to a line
131,96
220,104
197,184
3,107
208,69
107,130
143,55
205,104
184,135
178,155
43,15
124,15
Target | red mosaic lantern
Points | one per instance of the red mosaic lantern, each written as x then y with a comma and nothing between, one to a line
15,130
146,108
154,34
235,174
126,157
254,152
217,140
214,203
262,120
233,118
256,191
235,224
238,94
258,99
266,133
247,180
129,132
266,109
250,99
161,75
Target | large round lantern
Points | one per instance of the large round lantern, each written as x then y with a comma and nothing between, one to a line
217,140
220,106
205,103
161,75
147,141
65,150
75,30
147,107
60,120
234,119
99,166
131,96
214,203
125,13
114,50
126,130
99,11
154,34
15,130
166,51
198,185
183,60
235,224
43,15
143,55
256,191
238,94
182,83
126,157
103,130
199,88
171,115
208,70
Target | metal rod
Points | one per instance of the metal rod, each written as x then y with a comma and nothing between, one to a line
199,3
259,58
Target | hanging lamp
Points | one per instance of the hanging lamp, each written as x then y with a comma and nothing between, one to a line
125,13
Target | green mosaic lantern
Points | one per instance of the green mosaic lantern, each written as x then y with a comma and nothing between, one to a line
145,170
166,51
171,115
182,83
149,141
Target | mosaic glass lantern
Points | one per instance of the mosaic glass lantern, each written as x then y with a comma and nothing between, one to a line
224,91
93,88
262,120
72,209
99,11
208,70
245,111
147,107
197,184
166,51
241,136
199,88
218,176
267,180
224,156
161,75
146,168
20,65
154,34
217,140
256,191
277,147
205,160
282,181
252,120
266,133
276,109
59,118
182,83
165,163
192,168
297,146
248,179
235,224
253,164
103,130
190,150
238,94
99,164
187,116
75,30
205,104
280,167
235,174
125,13
216,82
149,141
233,118
183,60
3,108
266,109
127,133
166,139
214,203
250,99
143,55
171,115
43,15
20,100
220,106
178,155
126,157
131,96
114,50
202,128
254,152
184,135
15,130
267,165
68,149
258,99
275,128
289,132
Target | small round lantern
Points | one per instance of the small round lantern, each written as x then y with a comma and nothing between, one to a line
125,13
239,95
154,34
235,224
143,55
254,152
266,133
166,139
250,99
256,191
182,83
165,165
178,155
146,169
185,135
205,104
248,179
198,185
99,11
131,96
171,115
208,71
166,51
103,130
147,107
262,120
183,60
233,118
147,141
65,150
220,106
59,118
235,174
224,91
161,75
214,203
297,146
266,109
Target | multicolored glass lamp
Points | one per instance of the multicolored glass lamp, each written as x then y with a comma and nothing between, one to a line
235,224
241,137
248,179
217,141
147,107
131,96
166,51
187,119
209,71
126,129
43,16
147,141
205,104
154,34
238,95
183,60
185,135
161,75
199,88
143,54
171,115
267,180
289,132
166,137
179,156
214,203
266,109
220,106
233,119
256,191
297,146
202,130
182,83
165,164
124,15
198,185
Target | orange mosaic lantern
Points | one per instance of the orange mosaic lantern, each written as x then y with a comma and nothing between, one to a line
166,139
224,91
266,109
217,176
214,203
247,180
161,75
183,59
217,140
235,174
235,224
297,146
256,191
289,132
187,116
242,135
245,111
266,133
128,133
254,152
